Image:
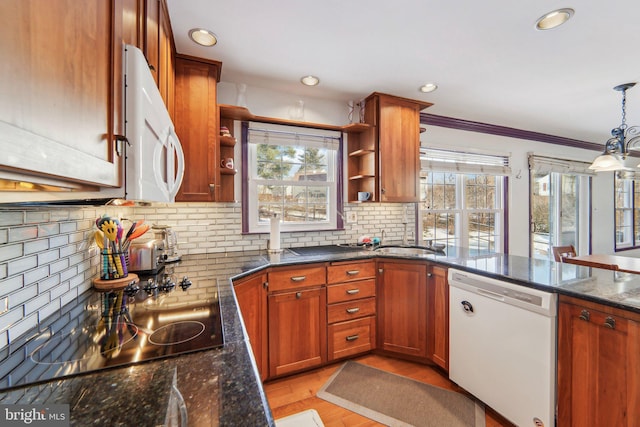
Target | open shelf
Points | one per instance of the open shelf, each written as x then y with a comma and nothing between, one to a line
356,177
358,153
227,141
227,171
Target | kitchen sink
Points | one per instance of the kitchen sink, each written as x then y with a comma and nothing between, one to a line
406,250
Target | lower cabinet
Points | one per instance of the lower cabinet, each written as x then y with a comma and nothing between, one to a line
297,330
297,306
251,293
351,308
598,365
438,319
402,308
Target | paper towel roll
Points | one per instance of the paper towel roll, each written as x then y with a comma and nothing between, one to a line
274,240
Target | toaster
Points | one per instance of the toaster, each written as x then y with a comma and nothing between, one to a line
146,256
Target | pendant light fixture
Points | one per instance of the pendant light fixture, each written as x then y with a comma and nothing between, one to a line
623,139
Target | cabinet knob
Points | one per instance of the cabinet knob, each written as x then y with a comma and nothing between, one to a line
610,322
380,270
298,295
585,315
212,187
429,274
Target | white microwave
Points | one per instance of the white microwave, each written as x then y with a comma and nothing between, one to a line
154,157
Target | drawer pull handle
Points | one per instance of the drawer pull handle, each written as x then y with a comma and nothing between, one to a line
298,278
610,322
353,310
353,291
353,272
585,315
352,337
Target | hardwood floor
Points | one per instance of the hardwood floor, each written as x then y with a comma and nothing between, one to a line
297,393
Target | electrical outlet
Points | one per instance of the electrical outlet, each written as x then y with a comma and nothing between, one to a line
352,217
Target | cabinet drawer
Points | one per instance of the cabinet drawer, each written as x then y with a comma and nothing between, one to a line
292,278
352,337
351,310
350,271
351,291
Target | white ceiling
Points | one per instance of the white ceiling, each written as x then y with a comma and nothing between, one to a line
488,61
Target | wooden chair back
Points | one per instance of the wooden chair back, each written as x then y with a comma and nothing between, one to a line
563,251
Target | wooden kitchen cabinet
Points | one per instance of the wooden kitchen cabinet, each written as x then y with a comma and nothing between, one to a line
251,293
402,308
297,307
385,158
159,49
351,309
61,73
598,365
197,127
438,318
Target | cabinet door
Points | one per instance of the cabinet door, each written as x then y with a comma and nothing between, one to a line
402,308
60,104
297,330
399,147
252,299
197,127
438,324
598,372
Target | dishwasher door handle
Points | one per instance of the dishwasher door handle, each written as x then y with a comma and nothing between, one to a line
467,306
490,294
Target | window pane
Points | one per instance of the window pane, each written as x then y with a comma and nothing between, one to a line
440,228
439,190
480,191
481,231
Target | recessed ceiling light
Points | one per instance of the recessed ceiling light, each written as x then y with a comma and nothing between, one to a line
554,19
429,87
203,37
310,80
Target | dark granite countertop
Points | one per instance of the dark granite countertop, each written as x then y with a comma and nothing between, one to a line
221,387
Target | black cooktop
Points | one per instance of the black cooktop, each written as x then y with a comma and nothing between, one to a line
161,316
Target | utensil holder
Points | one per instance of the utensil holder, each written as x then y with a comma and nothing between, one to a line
114,265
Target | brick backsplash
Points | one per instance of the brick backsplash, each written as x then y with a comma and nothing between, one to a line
47,255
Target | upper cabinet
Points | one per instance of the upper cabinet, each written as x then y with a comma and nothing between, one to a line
62,108
59,114
197,126
384,159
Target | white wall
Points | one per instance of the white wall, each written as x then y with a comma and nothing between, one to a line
268,103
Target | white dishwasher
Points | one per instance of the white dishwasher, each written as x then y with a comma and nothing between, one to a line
502,346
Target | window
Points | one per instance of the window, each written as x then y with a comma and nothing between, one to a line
627,211
462,200
292,172
559,205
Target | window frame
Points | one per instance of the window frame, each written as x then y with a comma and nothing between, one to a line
251,222
632,211
463,165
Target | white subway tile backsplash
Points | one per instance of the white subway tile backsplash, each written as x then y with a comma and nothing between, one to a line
35,304
23,233
23,326
10,318
8,252
50,229
48,309
4,236
11,218
58,266
32,276
48,256
11,284
36,246
18,298
58,241
20,265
